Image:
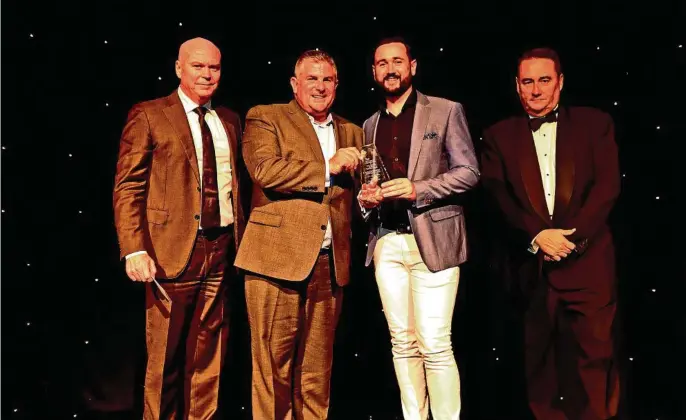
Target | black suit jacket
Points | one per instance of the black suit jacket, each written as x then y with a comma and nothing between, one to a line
587,186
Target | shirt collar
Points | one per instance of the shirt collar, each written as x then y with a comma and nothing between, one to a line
329,121
188,104
410,102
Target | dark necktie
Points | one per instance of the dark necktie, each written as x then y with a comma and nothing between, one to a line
210,190
536,123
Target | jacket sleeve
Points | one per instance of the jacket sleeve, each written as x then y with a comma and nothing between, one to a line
463,173
266,164
131,182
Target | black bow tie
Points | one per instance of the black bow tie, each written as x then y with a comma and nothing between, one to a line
535,123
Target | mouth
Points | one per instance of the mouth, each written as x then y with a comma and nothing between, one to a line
319,97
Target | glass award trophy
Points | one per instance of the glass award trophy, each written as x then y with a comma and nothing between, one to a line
372,167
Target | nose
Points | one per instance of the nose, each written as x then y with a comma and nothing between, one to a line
319,85
206,73
536,91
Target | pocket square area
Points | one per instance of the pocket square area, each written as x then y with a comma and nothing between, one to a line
431,135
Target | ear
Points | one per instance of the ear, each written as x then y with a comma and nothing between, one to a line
413,67
373,71
517,85
294,84
562,81
177,68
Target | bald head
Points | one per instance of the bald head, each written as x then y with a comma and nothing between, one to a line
198,67
196,44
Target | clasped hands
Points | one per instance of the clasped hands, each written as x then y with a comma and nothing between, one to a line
554,244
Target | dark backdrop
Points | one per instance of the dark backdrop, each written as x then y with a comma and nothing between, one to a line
72,324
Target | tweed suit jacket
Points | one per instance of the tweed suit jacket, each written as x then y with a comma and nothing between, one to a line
290,204
157,194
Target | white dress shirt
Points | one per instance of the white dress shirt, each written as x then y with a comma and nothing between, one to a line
545,140
222,153
327,141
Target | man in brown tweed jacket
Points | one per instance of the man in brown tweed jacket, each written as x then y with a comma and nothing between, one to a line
296,246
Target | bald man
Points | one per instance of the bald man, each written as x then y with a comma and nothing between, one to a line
179,220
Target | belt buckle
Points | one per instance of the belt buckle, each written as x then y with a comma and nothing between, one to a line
403,228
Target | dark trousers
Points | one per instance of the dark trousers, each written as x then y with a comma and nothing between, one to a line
186,339
570,368
292,335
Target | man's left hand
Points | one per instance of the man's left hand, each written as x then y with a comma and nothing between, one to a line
398,188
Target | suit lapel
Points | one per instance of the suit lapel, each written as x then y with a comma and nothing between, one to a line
179,122
530,170
564,160
370,133
421,119
302,121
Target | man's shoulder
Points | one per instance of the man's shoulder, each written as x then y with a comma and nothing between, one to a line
152,105
504,125
227,113
587,113
347,124
441,101
268,110
370,118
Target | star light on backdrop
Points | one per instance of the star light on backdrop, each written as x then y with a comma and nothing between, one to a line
119,103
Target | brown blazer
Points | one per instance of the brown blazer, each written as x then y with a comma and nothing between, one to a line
157,193
290,204
587,186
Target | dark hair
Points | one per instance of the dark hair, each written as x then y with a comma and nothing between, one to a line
543,52
391,39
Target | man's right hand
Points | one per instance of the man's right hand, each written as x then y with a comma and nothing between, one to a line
141,268
370,195
554,244
345,159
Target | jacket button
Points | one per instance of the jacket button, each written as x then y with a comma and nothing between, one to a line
198,189
196,217
323,227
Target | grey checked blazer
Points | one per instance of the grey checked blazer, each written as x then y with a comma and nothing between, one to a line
442,166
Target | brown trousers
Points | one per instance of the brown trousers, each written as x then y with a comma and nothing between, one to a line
292,334
570,368
186,339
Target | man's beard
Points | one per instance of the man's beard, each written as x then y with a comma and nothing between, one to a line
403,86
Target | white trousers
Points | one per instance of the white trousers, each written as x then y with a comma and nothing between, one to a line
419,305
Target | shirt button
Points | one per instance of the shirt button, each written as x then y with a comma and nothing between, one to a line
323,227
396,159
196,217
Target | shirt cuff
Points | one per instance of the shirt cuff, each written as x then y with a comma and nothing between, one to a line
136,253
533,247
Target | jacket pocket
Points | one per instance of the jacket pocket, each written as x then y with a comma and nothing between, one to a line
446,212
264,218
157,217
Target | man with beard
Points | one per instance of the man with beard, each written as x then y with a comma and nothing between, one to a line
417,228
